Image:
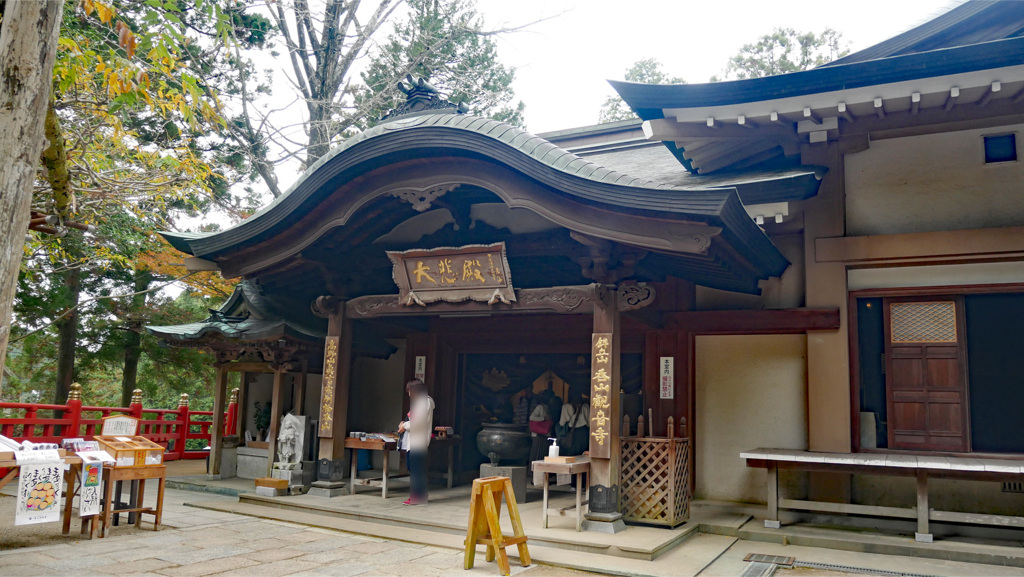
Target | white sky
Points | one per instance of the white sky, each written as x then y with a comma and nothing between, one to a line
563,63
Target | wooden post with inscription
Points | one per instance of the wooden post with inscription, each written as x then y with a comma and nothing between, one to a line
332,428
605,382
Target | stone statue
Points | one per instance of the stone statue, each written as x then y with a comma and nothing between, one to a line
289,442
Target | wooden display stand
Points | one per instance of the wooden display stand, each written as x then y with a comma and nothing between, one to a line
137,459
112,475
484,527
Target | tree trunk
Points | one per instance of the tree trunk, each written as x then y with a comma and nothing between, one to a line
67,329
133,343
28,43
319,133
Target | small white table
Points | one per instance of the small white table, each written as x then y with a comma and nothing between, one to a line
579,468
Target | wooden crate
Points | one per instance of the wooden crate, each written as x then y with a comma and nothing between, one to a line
655,479
132,451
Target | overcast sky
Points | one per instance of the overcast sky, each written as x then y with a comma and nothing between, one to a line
563,62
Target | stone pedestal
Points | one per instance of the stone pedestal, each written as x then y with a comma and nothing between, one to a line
301,476
251,463
269,492
326,489
229,462
517,474
604,522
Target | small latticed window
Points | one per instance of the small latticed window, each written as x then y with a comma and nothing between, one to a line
925,322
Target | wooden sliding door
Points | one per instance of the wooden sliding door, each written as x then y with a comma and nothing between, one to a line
926,373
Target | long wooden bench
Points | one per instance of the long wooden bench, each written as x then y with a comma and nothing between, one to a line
919,466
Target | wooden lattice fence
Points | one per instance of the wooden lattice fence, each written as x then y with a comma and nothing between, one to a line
655,478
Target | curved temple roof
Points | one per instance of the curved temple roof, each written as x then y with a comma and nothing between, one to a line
650,100
563,174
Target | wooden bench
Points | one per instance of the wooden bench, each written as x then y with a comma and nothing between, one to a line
921,467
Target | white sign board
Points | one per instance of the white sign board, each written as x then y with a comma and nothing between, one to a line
421,368
667,384
122,425
39,487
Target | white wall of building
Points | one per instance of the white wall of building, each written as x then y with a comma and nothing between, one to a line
751,392
933,182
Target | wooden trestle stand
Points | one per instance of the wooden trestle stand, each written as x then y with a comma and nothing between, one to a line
484,527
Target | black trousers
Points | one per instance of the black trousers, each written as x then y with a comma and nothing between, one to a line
417,463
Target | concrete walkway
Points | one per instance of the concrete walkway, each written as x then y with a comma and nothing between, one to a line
213,534
197,543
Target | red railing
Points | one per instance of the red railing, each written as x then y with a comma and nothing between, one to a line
172,428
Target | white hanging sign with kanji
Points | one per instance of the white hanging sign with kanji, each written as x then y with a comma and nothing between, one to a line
667,384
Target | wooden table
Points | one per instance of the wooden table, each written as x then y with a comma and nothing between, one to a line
111,475
579,468
353,444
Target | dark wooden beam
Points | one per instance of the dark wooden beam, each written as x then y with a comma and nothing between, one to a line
758,322
246,367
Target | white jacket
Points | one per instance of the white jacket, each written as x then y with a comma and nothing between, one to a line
420,425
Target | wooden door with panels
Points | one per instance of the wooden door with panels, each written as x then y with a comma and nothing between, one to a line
926,373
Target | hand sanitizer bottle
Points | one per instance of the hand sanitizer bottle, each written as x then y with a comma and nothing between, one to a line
553,449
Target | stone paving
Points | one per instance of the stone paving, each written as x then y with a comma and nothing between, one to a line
198,543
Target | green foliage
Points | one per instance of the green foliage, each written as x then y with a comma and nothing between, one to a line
785,50
164,372
646,71
446,42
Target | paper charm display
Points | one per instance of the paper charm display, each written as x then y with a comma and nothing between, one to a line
42,474
92,475
89,490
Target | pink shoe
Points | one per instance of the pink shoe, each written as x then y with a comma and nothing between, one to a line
412,501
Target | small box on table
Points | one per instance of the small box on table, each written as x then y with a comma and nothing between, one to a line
131,451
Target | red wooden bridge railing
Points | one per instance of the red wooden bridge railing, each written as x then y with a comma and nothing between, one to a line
172,428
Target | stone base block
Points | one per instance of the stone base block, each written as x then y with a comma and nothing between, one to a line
252,463
269,492
610,523
322,489
228,462
923,537
772,524
517,474
293,477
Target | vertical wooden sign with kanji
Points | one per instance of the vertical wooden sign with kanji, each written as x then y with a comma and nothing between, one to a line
330,380
602,368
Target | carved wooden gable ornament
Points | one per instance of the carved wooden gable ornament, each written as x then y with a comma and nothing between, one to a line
472,272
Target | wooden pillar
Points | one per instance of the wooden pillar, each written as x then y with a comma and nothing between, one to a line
275,416
334,400
220,393
243,412
299,392
605,420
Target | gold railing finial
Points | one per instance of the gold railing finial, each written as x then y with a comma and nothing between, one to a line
234,395
184,400
75,394
137,396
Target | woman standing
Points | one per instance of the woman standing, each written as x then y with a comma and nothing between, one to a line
574,425
417,438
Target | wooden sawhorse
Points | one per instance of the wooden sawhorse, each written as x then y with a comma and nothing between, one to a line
484,527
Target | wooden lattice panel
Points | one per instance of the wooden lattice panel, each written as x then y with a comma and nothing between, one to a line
654,481
929,322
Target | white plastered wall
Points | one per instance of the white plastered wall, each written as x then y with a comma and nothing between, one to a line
933,182
751,392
